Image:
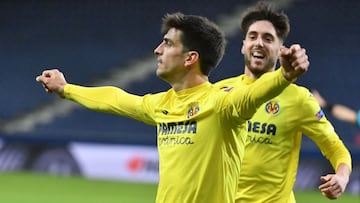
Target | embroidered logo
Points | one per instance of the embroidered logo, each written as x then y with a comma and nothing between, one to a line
272,107
193,110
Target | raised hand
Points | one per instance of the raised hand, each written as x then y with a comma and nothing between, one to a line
294,61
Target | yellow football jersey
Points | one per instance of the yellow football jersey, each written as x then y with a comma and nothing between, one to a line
201,132
269,167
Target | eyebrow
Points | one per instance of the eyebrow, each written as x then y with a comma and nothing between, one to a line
167,40
256,32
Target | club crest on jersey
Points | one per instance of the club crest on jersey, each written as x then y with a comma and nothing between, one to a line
272,107
193,110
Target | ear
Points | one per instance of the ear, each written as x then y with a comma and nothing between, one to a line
242,47
191,58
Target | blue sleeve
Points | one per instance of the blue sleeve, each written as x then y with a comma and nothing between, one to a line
358,119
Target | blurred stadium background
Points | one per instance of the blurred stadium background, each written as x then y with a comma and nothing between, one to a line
111,42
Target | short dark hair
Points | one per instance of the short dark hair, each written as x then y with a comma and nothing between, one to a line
198,34
263,11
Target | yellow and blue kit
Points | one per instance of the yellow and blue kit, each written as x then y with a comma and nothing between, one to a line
270,163
201,132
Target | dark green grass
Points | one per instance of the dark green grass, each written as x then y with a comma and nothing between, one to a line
35,188
31,188
316,197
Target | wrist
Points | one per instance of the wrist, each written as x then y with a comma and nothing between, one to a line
61,91
287,75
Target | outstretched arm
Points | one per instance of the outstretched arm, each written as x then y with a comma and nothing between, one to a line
339,111
104,99
294,62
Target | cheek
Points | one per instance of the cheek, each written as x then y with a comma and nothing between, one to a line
275,54
276,49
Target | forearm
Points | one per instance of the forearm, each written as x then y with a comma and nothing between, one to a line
344,113
268,86
337,153
105,99
343,170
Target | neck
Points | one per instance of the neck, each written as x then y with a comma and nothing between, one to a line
189,83
256,74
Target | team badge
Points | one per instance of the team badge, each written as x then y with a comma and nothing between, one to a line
272,107
193,110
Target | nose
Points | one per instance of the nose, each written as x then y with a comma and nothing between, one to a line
259,42
158,49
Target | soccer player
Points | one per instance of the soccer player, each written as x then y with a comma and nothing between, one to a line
269,166
198,126
339,111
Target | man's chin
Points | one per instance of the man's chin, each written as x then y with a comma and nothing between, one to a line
258,71
158,72
257,68
160,75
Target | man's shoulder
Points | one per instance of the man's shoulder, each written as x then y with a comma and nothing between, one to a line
296,94
228,82
296,89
